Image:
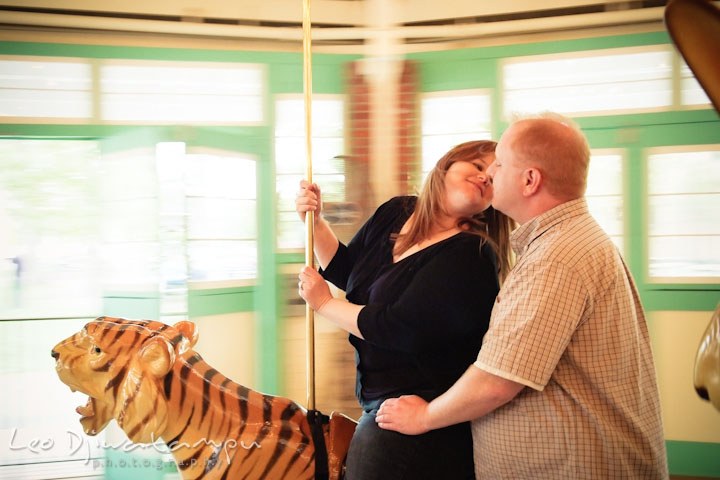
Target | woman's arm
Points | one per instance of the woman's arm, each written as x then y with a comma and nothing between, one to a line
315,291
451,298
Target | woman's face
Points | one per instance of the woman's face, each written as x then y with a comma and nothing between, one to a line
467,188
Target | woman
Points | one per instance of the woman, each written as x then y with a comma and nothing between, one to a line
420,278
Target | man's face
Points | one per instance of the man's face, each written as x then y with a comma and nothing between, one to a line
506,177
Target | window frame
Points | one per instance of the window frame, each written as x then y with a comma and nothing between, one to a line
485,92
674,81
104,62
624,190
299,96
92,119
96,94
673,282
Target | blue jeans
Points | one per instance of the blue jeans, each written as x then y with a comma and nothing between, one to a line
377,454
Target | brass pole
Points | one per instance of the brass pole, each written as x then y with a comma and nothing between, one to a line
309,218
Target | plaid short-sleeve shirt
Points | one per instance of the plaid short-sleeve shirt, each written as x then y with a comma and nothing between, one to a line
569,325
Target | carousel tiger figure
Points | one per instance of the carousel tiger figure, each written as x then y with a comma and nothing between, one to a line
706,377
146,376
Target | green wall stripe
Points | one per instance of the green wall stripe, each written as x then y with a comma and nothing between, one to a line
458,74
266,294
201,303
693,458
539,48
292,258
132,306
691,300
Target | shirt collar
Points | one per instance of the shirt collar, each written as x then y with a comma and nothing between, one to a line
526,233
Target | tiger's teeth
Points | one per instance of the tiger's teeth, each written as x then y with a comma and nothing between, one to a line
86,410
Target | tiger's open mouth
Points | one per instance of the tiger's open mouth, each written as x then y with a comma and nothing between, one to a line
88,410
94,416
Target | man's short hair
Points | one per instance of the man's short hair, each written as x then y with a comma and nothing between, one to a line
556,146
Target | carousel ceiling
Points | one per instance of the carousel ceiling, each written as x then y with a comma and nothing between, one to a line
335,22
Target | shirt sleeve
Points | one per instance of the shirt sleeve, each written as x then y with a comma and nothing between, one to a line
342,263
533,321
339,268
451,296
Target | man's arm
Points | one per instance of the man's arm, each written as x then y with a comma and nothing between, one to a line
474,395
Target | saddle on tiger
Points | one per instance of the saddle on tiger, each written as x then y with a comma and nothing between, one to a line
146,376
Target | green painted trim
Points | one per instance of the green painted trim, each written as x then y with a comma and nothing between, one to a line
691,300
246,139
673,287
203,292
132,305
290,258
458,74
267,352
141,464
635,195
221,301
132,294
328,76
236,139
160,53
693,458
74,132
673,117
539,48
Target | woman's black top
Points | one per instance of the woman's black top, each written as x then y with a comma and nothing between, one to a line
424,316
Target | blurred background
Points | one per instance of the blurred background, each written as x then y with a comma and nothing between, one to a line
150,153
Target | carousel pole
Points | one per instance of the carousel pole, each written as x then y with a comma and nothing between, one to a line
310,216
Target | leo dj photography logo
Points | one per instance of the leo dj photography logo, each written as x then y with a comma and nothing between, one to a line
80,446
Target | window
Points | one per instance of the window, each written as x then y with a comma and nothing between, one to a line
63,90
49,224
76,224
290,158
59,89
691,93
450,118
221,210
39,408
605,192
683,206
613,81
174,92
178,215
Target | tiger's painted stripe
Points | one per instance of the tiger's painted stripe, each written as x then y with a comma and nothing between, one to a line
146,375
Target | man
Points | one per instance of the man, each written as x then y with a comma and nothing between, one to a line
564,384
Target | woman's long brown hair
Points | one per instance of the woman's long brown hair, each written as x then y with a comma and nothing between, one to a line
492,225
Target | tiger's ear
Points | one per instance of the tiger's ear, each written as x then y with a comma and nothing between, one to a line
158,356
189,331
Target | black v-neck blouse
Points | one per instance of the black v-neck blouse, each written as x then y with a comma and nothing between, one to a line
424,316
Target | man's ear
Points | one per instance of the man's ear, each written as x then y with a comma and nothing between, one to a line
532,179
158,356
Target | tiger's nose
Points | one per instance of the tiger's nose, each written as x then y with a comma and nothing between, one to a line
54,354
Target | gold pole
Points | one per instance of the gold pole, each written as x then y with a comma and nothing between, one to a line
309,218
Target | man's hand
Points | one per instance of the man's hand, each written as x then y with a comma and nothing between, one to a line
406,414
